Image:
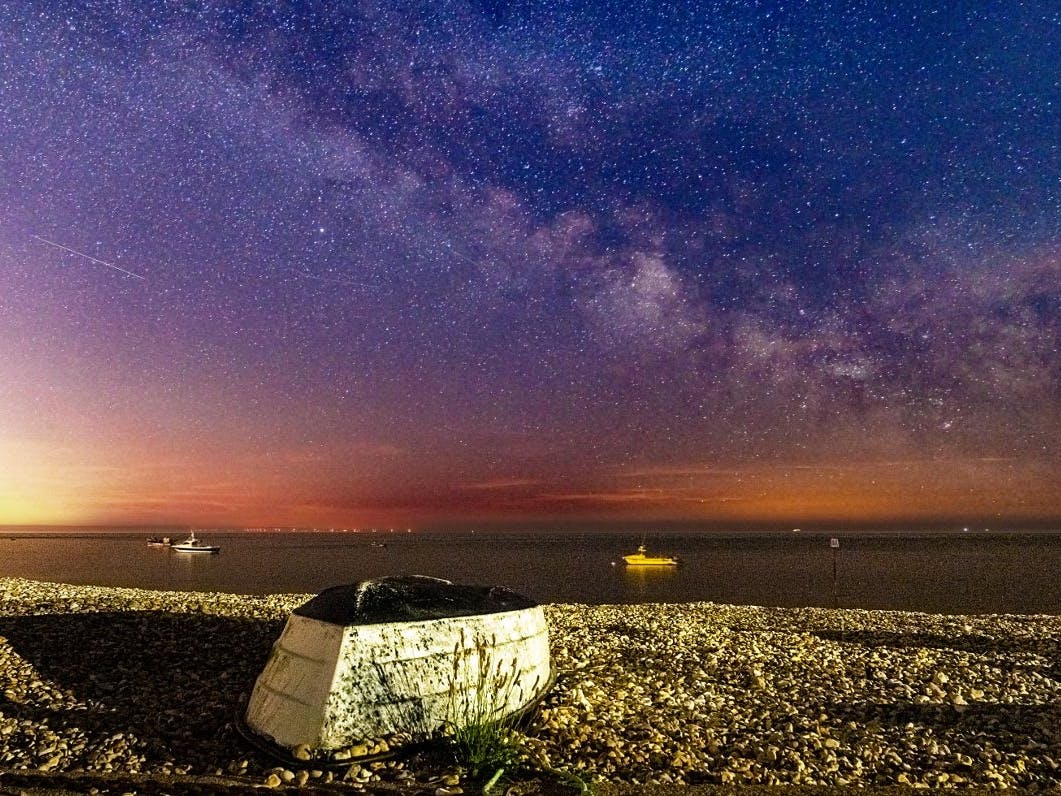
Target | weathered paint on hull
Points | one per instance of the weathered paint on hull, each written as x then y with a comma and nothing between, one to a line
329,686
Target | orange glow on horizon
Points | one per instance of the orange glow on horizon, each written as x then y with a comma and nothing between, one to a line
52,486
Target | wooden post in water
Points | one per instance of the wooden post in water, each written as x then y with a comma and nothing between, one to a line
834,544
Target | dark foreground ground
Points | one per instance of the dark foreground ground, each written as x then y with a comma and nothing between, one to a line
25,784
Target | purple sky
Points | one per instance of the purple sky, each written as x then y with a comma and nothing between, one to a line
545,264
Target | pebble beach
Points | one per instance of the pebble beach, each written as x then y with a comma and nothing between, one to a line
102,686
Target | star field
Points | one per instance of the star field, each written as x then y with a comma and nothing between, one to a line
549,264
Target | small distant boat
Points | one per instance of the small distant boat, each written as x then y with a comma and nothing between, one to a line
159,541
194,545
642,559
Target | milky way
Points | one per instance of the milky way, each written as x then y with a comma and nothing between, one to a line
545,264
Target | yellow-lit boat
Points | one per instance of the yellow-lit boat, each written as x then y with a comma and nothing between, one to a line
642,559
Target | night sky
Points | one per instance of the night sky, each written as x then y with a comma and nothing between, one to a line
536,265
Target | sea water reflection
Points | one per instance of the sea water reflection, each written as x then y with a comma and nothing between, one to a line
953,574
648,584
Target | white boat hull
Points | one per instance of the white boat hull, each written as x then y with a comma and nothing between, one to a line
329,686
195,545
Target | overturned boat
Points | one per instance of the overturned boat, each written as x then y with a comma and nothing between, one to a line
410,656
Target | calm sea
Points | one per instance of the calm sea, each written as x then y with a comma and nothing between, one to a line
965,573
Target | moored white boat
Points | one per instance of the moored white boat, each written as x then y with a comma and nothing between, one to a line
195,545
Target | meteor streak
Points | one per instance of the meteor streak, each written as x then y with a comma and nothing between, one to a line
86,256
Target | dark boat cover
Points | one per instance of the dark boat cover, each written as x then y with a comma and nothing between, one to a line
408,598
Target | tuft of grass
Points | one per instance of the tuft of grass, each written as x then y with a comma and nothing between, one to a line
481,728
483,749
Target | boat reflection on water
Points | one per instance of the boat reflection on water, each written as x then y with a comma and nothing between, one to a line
649,582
